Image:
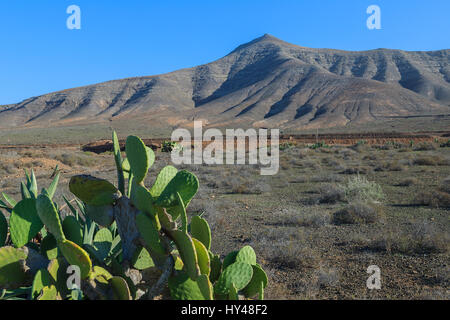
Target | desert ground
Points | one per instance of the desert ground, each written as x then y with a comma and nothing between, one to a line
332,210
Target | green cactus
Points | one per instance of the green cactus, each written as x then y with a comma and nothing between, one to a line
201,231
187,252
12,273
73,230
258,282
239,274
162,180
49,216
93,191
140,158
118,160
142,259
49,293
102,215
202,257
3,229
57,269
10,201
75,255
24,222
149,232
102,244
49,247
229,259
186,184
142,199
41,279
216,266
182,287
120,288
116,236
246,254
233,293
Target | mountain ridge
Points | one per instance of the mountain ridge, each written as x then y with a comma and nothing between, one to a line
266,82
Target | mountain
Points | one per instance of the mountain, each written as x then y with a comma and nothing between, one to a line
264,83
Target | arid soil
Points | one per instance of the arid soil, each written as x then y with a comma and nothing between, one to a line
329,213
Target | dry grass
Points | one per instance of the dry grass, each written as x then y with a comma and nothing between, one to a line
420,238
358,213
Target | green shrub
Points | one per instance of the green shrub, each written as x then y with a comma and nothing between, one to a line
358,188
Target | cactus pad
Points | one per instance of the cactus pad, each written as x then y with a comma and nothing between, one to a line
202,257
118,160
102,243
49,248
239,274
246,254
185,183
259,279
101,275
149,233
187,253
73,230
216,266
24,222
93,191
229,259
120,288
49,293
142,199
142,259
41,279
57,269
49,216
139,157
75,255
102,215
162,180
206,287
12,267
182,287
201,231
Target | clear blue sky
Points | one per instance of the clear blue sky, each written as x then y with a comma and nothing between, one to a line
121,39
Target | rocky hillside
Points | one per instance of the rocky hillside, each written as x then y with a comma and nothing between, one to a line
264,83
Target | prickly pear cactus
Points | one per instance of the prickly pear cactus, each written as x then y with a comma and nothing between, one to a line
12,273
24,222
118,236
49,216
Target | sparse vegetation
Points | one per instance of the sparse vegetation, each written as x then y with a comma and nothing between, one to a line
357,212
312,225
358,188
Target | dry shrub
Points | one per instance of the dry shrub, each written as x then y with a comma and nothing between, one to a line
424,146
430,160
331,193
356,170
418,238
435,199
445,185
408,182
358,213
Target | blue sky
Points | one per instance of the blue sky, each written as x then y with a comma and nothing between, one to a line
121,39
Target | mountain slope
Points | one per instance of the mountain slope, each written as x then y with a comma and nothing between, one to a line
266,82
